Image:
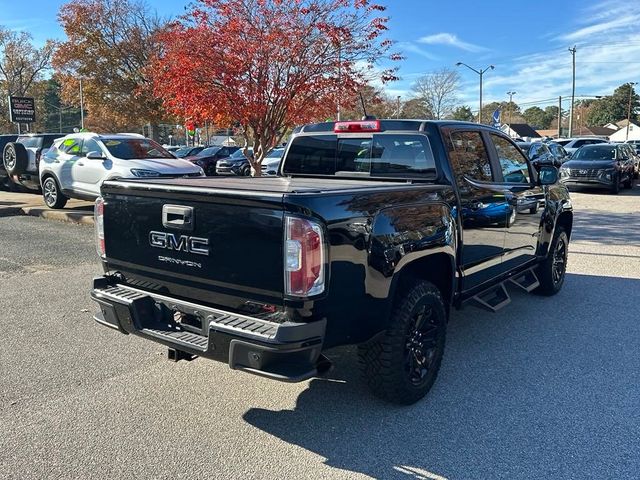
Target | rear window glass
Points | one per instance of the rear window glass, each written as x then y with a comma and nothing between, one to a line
379,155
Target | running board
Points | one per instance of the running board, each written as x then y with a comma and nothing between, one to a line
496,297
527,281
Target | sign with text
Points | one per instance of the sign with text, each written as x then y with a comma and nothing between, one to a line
22,109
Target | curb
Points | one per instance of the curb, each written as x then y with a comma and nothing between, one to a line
79,217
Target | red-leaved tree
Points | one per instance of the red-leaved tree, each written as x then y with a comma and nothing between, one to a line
267,65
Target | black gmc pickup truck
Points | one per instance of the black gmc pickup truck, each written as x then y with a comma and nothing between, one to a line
372,231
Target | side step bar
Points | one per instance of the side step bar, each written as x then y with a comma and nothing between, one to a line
496,297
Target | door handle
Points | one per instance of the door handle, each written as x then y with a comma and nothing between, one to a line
177,217
80,164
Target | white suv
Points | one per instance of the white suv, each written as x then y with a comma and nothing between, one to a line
76,165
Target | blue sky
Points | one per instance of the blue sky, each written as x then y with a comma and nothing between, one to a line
526,41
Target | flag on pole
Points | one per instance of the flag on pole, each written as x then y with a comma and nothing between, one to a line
496,118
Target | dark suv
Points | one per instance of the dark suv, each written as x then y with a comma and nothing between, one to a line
21,158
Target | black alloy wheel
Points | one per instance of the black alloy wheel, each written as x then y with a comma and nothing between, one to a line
422,343
551,272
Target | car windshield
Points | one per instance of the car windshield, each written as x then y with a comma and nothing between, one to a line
182,152
208,151
563,142
135,148
238,155
276,153
596,152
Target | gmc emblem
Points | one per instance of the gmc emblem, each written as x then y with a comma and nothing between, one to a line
180,243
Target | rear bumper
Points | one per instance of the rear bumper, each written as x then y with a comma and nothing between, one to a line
287,352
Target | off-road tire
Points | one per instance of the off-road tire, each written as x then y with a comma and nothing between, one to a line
15,158
51,194
385,362
551,279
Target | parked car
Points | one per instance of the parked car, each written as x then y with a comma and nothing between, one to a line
603,165
558,151
236,164
538,153
5,180
22,157
271,162
172,148
208,158
635,156
573,144
363,241
187,151
76,165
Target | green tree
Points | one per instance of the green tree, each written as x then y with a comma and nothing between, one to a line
537,118
614,108
57,117
462,113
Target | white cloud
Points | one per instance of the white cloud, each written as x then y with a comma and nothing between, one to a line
614,25
451,40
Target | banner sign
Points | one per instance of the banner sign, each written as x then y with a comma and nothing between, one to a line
22,109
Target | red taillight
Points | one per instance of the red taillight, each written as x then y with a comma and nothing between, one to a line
99,222
363,126
304,258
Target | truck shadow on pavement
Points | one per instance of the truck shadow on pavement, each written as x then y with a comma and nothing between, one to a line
606,228
545,388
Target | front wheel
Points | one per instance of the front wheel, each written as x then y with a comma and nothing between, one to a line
629,183
401,365
53,197
552,271
615,188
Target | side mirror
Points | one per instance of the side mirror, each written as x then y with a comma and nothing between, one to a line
548,175
95,155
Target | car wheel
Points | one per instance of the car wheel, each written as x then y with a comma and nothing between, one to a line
246,171
551,272
629,183
401,365
615,188
15,158
53,197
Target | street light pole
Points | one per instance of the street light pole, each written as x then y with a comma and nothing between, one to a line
480,72
631,84
573,91
511,94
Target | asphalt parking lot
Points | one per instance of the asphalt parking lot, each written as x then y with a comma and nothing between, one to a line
545,388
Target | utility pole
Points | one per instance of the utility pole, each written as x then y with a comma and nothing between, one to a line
511,94
559,116
81,106
573,90
631,84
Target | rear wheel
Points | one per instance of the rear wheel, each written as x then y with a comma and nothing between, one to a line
551,272
402,364
53,197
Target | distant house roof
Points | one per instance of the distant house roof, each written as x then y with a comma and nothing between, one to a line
592,131
523,130
548,133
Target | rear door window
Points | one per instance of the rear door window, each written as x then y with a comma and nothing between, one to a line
71,146
468,155
383,155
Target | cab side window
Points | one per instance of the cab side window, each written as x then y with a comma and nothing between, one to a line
468,156
512,162
71,146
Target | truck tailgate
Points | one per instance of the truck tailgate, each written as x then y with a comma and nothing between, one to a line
205,247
